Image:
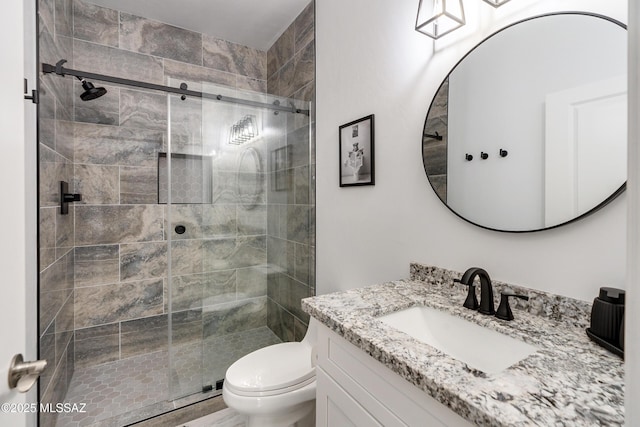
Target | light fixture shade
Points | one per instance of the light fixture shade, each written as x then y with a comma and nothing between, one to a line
496,3
439,17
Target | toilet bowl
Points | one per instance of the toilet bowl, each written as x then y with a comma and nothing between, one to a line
275,386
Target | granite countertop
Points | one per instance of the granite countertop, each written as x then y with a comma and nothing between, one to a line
569,381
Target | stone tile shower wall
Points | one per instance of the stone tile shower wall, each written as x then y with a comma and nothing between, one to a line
291,192
56,233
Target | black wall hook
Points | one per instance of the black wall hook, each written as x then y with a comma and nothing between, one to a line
468,157
503,153
483,155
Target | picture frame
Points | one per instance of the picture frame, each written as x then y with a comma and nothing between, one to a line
356,152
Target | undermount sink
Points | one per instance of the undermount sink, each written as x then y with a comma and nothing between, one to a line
479,347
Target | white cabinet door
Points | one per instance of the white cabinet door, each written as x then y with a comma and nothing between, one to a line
334,407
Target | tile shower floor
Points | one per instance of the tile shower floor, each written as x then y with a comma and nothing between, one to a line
136,388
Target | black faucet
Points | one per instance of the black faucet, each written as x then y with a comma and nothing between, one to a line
486,305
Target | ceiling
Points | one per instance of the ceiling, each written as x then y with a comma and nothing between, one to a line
254,23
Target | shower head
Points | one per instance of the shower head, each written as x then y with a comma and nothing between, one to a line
90,91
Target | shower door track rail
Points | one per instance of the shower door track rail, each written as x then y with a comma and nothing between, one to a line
182,90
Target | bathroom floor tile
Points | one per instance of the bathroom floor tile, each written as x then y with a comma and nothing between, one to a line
136,388
225,418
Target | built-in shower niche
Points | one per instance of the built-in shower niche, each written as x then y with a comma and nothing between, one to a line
191,179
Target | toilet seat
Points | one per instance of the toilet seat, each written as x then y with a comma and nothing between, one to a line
272,370
267,393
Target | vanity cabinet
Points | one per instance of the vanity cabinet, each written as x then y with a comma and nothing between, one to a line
353,389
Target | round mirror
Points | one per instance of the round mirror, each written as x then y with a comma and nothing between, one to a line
529,129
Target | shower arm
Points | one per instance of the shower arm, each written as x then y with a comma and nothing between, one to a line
62,71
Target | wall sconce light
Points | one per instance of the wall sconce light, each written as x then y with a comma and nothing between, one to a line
244,130
496,3
439,17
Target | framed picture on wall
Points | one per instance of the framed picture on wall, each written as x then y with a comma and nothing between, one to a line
357,152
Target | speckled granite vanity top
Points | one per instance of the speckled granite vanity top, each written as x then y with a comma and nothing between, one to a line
569,381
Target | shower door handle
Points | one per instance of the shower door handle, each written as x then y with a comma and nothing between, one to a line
23,375
66,198
34,93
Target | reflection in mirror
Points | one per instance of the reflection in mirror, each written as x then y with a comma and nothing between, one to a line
550,92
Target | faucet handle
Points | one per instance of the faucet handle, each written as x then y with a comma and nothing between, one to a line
472,300
504,309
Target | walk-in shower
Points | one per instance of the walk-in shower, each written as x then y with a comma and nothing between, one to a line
190,239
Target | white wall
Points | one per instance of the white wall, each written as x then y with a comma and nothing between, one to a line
371,60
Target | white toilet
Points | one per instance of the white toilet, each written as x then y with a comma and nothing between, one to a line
275,386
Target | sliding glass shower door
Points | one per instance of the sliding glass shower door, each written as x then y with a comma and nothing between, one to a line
236,234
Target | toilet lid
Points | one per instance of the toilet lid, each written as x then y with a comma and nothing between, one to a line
271,368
